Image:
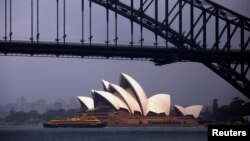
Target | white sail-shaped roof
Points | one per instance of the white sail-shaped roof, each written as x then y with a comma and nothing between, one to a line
87,102
152,107
129,83
191,110
105,85
130,97
112,99
162,101
194,110
129,100
181,109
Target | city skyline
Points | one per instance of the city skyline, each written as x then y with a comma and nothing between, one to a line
21,104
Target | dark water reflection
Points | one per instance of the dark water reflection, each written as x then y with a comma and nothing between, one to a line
24,133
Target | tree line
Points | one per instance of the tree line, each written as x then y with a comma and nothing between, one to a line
235,111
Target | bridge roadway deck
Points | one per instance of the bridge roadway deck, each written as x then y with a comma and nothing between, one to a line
159,55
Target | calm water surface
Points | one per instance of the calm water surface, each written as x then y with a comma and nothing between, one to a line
36,133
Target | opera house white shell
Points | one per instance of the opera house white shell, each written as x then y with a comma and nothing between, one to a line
86,102
126,97
136,90
191,110
162,101
129,96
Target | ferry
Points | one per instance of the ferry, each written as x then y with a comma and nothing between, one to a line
74,123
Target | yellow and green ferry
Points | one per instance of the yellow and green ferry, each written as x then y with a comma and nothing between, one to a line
74,123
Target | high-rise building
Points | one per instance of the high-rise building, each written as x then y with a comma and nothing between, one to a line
40,106
21,104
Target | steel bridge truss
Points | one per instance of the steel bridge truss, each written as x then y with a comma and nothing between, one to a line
200,30
203,14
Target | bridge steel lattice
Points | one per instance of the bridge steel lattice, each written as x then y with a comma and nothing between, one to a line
199,30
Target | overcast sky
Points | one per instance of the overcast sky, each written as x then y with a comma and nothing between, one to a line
52,78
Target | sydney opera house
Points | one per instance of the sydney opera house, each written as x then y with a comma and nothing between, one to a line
128,105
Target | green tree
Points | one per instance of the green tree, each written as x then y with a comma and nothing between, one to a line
246,109
224,113
236,107
19,117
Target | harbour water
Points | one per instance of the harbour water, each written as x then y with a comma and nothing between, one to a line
38,133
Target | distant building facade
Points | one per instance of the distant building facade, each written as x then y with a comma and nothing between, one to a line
21,105
40,106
